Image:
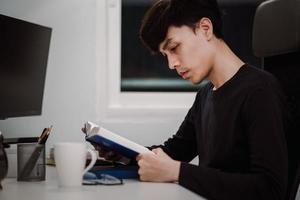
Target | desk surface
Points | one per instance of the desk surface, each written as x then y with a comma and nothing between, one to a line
131,189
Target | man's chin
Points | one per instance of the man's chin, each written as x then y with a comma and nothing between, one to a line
196,80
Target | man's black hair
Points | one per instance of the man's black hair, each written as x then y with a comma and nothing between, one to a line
166,13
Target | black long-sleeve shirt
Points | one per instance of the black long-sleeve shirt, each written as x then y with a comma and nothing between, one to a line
237,131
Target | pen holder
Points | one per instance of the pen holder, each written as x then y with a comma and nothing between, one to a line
31,162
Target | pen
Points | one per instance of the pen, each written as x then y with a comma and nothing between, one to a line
45,134
42,135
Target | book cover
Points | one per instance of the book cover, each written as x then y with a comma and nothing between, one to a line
122,172
113,141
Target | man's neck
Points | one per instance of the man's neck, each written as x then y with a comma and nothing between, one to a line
225,65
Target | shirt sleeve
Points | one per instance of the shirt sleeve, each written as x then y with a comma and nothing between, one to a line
266,177
183,146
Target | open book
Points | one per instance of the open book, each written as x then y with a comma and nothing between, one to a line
112,141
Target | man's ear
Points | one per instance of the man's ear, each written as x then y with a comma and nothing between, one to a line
205,26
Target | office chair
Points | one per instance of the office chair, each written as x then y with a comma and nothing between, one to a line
276,40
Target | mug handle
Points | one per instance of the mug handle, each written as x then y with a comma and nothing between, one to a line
93,161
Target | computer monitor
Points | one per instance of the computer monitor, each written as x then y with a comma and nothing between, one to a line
24,48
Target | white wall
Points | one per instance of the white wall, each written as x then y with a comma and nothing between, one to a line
74,69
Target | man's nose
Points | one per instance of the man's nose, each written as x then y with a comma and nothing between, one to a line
173,62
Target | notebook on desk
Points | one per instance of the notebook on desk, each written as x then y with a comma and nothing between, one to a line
119,171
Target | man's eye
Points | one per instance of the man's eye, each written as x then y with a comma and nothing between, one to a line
173,49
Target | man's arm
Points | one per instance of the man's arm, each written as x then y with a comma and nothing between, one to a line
183,146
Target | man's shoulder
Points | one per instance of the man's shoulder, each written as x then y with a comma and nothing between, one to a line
264,86
258,78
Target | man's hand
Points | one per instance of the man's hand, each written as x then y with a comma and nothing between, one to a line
158,167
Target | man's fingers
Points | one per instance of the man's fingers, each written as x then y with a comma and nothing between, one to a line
139,157
142,156
157,150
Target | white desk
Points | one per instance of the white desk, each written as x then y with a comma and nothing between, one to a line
130,190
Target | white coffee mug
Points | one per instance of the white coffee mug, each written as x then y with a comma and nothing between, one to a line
70,159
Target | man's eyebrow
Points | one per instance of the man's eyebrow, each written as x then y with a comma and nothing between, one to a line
166,44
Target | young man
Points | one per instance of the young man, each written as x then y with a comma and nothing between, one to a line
235,125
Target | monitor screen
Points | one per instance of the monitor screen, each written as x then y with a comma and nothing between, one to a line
24,51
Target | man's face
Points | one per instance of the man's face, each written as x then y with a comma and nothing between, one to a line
189,52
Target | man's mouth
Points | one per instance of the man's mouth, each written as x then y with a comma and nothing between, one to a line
183,74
